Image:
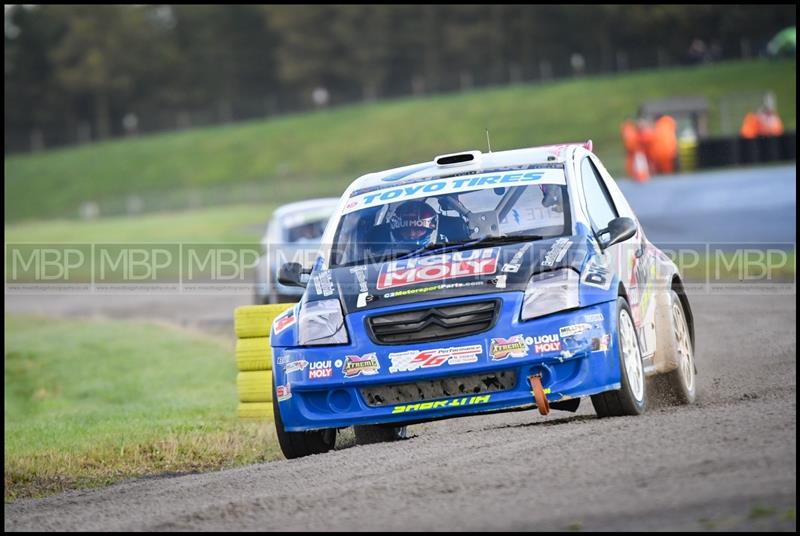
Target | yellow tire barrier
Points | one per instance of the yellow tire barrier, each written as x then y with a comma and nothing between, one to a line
256,320
255,410
253,354
254,386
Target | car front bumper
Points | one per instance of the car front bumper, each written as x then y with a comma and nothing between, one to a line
574,352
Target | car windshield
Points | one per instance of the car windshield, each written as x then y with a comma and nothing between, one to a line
420,224
308,231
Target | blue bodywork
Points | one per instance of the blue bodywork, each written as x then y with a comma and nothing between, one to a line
315,392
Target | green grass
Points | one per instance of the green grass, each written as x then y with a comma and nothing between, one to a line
313,154
237,223
90,403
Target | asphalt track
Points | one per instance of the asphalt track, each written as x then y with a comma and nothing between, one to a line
727,462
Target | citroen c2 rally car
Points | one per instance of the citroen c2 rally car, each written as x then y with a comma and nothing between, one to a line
478,283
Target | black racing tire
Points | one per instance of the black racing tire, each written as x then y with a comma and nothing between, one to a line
299,444
381,433
680,384
631,398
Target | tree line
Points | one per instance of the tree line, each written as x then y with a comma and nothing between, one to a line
85,73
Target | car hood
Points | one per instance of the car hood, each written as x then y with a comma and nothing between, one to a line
446,275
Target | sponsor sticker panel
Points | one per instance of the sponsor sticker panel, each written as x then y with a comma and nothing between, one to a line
284,392
296,366
320,369
366,365
519,346
411,360
284,321
441,404
435,268
394,194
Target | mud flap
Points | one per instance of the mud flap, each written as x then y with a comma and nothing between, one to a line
538,394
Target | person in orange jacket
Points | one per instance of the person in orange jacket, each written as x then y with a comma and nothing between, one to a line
765,122
664,148
636,165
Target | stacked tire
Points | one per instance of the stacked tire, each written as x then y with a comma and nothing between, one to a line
253,324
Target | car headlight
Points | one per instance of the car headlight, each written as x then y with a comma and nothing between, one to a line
322,322
550,292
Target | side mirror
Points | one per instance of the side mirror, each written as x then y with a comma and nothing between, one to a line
619,230
290,275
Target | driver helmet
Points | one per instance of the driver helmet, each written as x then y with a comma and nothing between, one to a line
414,222
551,197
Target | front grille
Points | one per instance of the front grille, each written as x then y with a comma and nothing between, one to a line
490,382
433,323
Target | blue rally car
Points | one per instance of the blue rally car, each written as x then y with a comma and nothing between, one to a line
478,283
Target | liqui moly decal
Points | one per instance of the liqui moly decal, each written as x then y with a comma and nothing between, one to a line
514,346
546,343
355,365
284,321
412,271
415,359
320,369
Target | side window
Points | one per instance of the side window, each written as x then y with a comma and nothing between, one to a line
598,201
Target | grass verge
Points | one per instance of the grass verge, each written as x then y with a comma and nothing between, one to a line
92,403
228,224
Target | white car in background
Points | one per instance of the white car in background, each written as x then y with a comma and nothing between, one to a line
293,235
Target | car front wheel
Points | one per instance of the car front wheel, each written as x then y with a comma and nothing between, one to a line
631,397
299,444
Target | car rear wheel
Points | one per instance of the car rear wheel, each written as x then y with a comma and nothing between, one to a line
681,383
366,435
299,444
631,397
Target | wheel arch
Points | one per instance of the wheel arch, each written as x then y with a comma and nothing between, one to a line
621,292
677,286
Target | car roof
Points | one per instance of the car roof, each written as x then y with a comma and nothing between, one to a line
548,154
307,205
